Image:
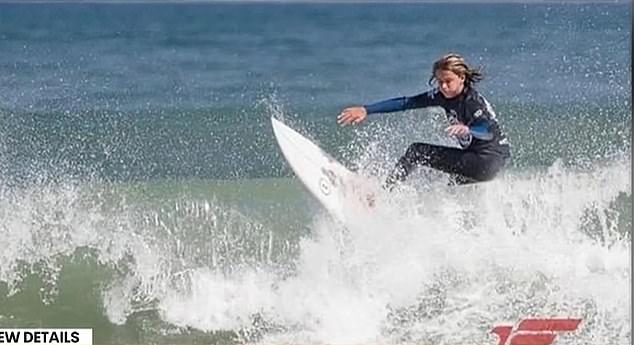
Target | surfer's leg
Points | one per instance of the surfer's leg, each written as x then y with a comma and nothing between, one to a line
464,166
439,157
475,167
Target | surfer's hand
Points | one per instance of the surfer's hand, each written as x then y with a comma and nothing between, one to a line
457,130
352,115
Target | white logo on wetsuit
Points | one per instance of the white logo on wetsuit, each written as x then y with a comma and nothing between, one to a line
465,140
489,108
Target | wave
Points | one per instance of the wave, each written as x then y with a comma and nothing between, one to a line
239,261
238,143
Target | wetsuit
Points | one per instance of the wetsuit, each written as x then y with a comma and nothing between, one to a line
484,150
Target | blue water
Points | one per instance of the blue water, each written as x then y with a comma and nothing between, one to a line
137,165
183,83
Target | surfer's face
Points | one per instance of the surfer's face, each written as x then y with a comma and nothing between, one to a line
449,83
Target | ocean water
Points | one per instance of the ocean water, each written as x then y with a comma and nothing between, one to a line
143,195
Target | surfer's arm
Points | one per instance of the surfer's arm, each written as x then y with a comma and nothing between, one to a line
481,130
481,115
422,100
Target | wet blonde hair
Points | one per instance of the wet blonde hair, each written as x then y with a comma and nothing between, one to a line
455,63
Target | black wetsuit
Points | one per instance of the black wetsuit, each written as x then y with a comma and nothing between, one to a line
484,150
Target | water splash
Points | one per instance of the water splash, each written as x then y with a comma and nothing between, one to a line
475,257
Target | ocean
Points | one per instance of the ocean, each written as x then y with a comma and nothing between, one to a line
142,193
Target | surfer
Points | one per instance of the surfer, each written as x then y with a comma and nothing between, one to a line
484,148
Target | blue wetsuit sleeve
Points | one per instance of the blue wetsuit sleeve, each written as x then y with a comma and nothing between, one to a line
387,106
422,100
481,130
480,116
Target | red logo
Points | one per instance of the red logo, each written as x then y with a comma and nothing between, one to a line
534,331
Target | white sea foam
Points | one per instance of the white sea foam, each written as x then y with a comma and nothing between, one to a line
451,267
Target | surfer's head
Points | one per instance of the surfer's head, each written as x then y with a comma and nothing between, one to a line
453,75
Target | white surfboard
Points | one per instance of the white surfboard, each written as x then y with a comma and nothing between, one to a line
339,190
